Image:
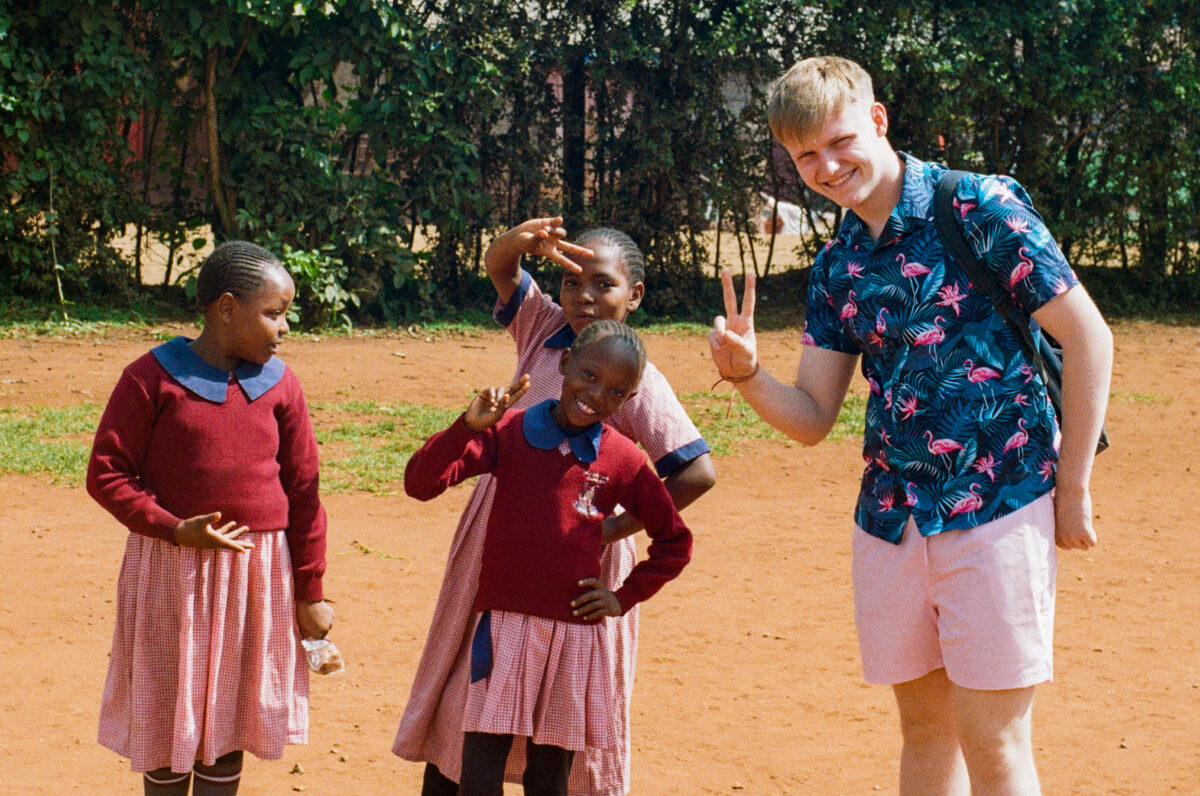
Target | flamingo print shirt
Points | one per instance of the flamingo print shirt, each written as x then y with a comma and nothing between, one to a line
959,430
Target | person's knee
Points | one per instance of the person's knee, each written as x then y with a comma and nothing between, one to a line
223,768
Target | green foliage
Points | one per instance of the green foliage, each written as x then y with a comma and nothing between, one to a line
47,442
321,295
346,131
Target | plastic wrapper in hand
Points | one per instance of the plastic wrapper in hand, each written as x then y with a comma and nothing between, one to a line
323,656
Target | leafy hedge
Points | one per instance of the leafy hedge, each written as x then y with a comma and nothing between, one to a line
343,130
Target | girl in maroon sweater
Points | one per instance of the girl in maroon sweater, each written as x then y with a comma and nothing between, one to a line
206,453
538,667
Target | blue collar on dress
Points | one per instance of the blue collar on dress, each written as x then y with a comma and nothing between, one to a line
211,383
561,339
542,432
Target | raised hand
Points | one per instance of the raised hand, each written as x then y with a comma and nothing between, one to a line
490,404
734,348
199,531
546,237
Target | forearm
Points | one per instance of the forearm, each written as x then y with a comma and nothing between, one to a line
1087,371
502,261
685,485
788,408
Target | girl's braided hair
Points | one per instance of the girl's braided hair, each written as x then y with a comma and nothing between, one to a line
596,331
237,267
631,255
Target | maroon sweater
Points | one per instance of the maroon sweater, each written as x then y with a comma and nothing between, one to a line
543,533
163,454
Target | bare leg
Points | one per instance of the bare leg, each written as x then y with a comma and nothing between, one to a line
996,732
931,762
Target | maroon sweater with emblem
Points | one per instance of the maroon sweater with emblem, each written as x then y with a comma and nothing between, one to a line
163,454
543,533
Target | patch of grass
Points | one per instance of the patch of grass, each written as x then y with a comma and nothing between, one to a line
47,441
725,427
365,445
1139,398
20,318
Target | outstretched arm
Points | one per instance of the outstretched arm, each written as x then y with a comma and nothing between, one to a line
467,448
804,410
541,236
1087,343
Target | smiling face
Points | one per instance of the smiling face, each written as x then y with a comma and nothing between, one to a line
256,324
602,292
596,381
849,161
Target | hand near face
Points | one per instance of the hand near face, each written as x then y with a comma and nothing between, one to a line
545,237
490,404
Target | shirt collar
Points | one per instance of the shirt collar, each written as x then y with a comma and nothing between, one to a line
542,432
916,203
211,383
561,339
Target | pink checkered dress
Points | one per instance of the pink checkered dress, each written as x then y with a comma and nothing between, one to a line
206,658
432,726
540,669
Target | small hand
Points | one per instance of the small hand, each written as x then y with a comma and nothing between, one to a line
490,404
198,531
546,237
734,348
596,603
314,619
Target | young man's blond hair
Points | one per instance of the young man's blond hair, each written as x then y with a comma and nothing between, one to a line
802,98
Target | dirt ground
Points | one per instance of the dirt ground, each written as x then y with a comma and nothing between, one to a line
748,678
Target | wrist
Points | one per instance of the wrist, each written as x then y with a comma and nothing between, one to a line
737,379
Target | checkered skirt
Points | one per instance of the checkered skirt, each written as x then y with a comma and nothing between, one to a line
550,681
206,657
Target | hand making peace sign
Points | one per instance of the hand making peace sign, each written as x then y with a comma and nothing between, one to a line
734,348
490,404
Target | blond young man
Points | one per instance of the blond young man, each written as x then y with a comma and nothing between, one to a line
966,491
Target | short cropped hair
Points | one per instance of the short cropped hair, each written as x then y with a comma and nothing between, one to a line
631,256
236,267
622,334
802,98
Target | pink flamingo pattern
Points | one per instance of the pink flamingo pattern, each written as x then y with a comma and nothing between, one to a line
969,503
1019,438
912,270
931,336
849,309
943,446
1022,270
969,435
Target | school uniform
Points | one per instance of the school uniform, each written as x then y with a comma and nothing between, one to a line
432,725
206,656
536,669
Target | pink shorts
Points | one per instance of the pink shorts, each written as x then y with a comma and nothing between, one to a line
978,602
